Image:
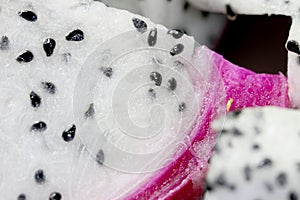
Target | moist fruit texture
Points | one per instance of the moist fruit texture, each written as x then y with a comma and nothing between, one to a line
250,159
99,103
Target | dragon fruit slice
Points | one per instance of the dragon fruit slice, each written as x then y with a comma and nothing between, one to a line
277,7
250,161
205,27
74,105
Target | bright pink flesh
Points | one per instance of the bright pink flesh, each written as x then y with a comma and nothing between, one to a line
183,178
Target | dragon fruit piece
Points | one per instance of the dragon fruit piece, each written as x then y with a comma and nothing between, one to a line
205,27
60,78
250,161
277,7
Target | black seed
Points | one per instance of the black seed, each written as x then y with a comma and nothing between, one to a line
152,37
49,87
172,84
4,43
182,107
256,146
156,77
108,71
204,14
100,157
35,99
221,180
39,126
25,56
230,13
208,186
186,5
176,33
281,179
247,172
28,15
69,134
152,93
293,46
22,197
49,46
236,132
236,113
265,163
39,176
177,49
55,196
293,196
76,35
90,112
140,25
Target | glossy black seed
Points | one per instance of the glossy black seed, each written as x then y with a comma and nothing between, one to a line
255,146
35,99
49,46
140,25
293,196
156,78
22,197
230,13
293,46
152,37
265,163
39,126
186,5
4,43
100,157
28,15
55,196
69,134
76,35
182,107
108,71
281,179
90,112
49,87
176,33
177,49
236,132
172,84
39,176
25,56
247,172
152,93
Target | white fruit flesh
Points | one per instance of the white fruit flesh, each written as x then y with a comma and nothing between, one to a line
265,133
177,14
70,167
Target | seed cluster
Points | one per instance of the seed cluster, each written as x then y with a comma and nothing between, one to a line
49,44
261,166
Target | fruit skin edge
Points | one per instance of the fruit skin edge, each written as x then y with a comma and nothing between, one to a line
184,179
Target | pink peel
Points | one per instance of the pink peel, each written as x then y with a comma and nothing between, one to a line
184,178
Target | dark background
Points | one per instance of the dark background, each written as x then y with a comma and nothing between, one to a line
256,42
